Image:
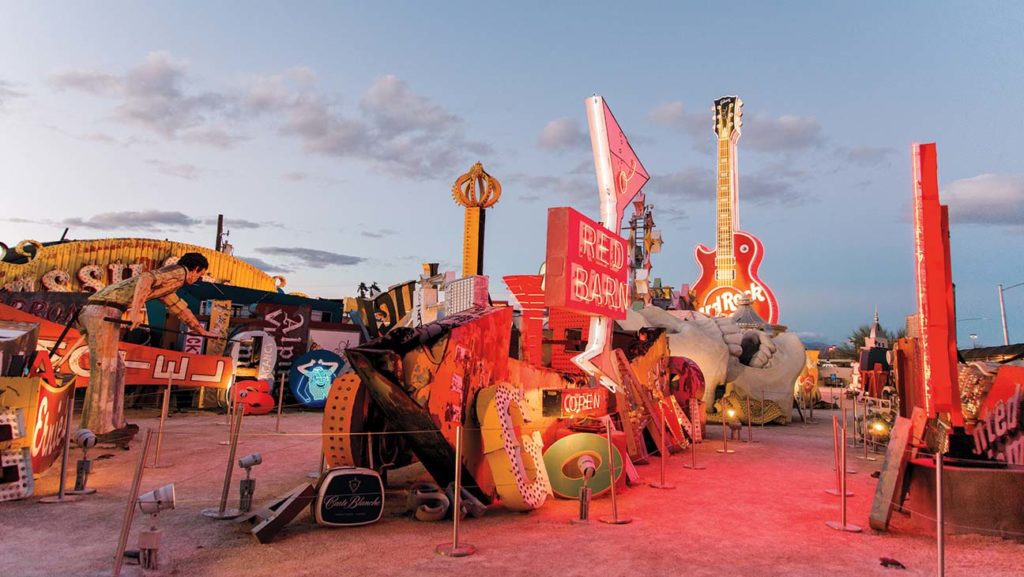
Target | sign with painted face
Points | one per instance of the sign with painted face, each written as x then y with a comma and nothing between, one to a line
311,376
586,266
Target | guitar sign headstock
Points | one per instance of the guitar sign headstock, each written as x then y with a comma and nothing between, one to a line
728,116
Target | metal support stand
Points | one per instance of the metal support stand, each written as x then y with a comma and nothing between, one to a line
246,489
62,497
614,519
129,513
864,435
223,512
843,525
280,403
454,549
164,409
320,470
762,408
231,420
664,454
840,488
750,427
725,438
940,528
848,470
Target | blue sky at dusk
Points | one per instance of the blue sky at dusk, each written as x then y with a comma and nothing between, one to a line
329,135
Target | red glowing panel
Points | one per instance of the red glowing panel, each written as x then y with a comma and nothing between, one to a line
586,266
630,174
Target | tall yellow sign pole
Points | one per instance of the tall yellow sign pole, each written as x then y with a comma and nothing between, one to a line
476,190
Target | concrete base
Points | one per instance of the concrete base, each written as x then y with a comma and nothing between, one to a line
979,501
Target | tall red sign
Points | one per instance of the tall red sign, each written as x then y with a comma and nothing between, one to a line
586,266
937,361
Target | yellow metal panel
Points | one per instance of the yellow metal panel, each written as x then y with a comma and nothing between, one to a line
72,257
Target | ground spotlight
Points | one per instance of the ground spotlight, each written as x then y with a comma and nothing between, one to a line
247,486
152,503
85,439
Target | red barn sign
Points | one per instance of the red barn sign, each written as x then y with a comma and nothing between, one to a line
586,266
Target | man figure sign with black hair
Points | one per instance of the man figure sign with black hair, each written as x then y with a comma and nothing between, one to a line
104,400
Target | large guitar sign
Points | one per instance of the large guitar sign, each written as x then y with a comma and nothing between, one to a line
731,269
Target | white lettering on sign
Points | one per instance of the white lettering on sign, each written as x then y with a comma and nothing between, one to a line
726,299
49,429
159,372
573,403
592,286
194,344
352,502
597,246
999,434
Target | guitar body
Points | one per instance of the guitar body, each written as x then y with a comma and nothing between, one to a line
718,297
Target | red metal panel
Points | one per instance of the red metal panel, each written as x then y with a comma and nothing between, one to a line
526,288
934,290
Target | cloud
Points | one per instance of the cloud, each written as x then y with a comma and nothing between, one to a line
392,127
760,132
689,183
152,96
783,134
866,155
986,199
770,186
186,171
562,134
265,266
574,187
310,257
295,176
241,223
132,220
378,234
699,125
7,93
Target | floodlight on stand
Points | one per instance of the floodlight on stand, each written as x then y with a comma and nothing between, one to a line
587,466
726,415
247,486
152,503
85,439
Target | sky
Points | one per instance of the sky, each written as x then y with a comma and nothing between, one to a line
329,134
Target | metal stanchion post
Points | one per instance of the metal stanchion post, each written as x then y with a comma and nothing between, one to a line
750,428
231,420
864,434
940,529
61,496
454,549
725,450
843,525
129,513
855,422
223,512
164,409
762,408
839,489
664,453
848,470
320,470
614,519
280,403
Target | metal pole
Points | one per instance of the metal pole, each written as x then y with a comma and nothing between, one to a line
664,452
846,470
61,497
223,512
940,532
762,408
1002,315
280,403
165,407
129,513
454,549
725,450
750,428
614,519
855,422
843,525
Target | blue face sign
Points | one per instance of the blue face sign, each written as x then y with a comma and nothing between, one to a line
312,374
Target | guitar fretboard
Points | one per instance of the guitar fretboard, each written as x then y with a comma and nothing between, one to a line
725,259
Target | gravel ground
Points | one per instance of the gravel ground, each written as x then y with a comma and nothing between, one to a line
760,511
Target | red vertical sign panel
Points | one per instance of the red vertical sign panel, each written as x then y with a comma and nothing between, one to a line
937,361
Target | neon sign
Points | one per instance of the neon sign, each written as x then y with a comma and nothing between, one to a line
586,266
311,377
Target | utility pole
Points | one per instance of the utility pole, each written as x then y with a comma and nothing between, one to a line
220,231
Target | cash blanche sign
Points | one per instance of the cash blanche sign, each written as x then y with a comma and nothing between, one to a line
586,266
